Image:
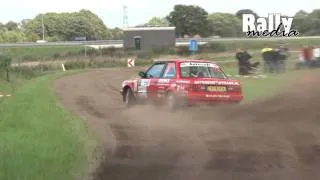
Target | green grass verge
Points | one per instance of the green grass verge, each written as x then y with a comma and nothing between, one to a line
55,52
260,88
39,51
39,139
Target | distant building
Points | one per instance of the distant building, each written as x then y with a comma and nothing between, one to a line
146,38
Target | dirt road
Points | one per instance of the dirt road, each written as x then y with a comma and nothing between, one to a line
277,139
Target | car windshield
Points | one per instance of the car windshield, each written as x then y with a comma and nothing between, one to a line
201,70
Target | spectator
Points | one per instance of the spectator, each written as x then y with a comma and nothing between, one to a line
275,62
266,53
244,64
316,57
307,55
282,56
316,54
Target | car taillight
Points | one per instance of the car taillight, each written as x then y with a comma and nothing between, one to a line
234,88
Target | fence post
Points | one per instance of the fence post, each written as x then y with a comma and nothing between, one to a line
5,64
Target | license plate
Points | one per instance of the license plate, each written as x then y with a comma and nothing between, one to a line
216,88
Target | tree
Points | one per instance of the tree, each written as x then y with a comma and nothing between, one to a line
116,33
190,20
12,26
33,37
67,26
12,36
312,22
157,21
246,11
224,24
2,26
23,24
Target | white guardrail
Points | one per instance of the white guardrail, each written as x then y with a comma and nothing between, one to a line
179,41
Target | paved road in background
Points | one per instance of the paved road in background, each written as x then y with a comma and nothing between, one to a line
119,43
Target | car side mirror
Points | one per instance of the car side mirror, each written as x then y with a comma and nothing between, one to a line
142,74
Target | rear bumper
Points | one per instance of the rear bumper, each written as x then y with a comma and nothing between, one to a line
206,98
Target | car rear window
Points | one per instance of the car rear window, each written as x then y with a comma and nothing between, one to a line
201,70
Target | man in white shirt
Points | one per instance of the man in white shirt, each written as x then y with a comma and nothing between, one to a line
316,58
316,54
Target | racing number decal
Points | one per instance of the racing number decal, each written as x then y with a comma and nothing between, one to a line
143,85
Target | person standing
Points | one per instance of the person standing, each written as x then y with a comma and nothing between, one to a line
307,55
316,54
282,56
267,57
244,64
241,57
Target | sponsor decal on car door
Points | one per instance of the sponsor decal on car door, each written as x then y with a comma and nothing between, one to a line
143,88
162,87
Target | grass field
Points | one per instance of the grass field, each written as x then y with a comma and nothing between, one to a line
39,139
39,53
42,141
260,88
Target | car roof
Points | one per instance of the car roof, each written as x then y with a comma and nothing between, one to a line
184,60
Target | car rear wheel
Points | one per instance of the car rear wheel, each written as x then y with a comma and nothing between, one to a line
129,98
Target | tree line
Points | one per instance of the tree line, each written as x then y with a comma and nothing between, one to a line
189,20
58,27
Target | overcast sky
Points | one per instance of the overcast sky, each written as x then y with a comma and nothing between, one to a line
140,11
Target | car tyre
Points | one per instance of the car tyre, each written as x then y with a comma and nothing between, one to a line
129,99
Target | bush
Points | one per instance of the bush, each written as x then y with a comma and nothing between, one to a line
109,51
28,72
163,50
80,64
145,55
90,52
28,58
56,56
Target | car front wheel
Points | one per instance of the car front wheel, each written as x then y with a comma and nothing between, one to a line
129,98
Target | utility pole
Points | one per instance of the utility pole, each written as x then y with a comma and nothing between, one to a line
42,27
125,17
85,45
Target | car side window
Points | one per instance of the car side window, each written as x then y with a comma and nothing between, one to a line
155,71
170,71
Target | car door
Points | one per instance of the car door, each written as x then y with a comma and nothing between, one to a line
168,77
147,87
